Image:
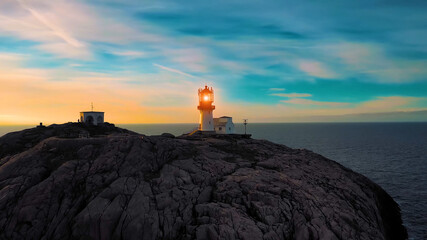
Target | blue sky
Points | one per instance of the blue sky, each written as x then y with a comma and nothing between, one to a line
144,60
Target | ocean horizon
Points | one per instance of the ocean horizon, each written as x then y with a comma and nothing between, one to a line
393,155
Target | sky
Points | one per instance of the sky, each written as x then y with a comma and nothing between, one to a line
268,61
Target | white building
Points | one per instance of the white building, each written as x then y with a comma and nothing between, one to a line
224,125
206,98
92,118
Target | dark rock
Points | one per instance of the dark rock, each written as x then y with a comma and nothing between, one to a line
168,135
125,186
16,142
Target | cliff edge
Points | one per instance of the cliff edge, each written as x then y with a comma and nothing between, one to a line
78,182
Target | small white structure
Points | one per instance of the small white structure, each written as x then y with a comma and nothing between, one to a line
92,118
224,125
206,98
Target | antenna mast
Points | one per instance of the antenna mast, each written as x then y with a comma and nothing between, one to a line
245,122
91,104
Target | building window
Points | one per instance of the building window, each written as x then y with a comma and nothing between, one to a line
220,128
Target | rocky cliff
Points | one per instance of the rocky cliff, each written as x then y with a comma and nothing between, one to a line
78,182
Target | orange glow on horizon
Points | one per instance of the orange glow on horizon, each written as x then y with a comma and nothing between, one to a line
30,100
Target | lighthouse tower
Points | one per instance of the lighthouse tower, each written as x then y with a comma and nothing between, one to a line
206,98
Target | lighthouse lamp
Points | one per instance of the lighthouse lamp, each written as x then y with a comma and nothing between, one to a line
206,98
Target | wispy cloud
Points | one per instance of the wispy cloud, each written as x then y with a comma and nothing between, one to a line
309,111
58,31
302,101
391,102
132,54
276,89
316,69
54,27
291,95
174,71
62,50
372,62
192,59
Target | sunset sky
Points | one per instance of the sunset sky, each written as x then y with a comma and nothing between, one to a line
269,61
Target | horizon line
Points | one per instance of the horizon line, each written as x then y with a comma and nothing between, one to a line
163,123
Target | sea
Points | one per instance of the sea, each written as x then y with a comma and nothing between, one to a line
393,155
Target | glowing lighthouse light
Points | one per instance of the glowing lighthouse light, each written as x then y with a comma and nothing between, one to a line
206,98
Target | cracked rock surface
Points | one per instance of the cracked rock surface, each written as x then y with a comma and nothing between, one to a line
129,186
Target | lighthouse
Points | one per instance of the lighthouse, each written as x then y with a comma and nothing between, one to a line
206,98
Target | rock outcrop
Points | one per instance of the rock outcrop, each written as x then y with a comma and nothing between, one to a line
20,141
122,185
